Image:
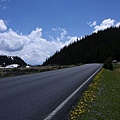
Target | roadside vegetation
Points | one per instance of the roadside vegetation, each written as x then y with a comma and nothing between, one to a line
101,101
10,72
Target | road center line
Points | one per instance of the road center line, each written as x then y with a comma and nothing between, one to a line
52,114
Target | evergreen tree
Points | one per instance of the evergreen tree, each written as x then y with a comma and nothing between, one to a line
95,48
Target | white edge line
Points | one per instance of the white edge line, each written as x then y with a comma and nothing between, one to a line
51,115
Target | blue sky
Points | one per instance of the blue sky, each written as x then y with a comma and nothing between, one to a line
35,29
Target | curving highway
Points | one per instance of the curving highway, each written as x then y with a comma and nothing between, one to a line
38,96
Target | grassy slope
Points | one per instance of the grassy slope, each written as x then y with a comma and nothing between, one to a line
101,101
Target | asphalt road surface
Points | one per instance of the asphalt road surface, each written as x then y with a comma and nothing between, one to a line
35,96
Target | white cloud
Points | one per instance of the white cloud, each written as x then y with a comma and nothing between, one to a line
61,34
92,23
54,29
107,23
104,25
32,47
3,27
71,40
117,24
35,34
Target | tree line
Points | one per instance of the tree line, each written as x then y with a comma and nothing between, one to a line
8,60
94,48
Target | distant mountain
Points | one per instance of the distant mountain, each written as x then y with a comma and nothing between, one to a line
95,48
8,60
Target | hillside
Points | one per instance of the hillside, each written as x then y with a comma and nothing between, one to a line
8,60
95,48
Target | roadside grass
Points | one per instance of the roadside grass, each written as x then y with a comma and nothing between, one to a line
10,72
101,101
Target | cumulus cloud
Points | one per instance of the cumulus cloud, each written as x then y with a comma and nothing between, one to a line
32,47
71,40
104,25
117,24
3,27
11,41
107,23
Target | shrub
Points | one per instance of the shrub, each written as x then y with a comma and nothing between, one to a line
108,64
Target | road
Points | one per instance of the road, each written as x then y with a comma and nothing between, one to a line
35,96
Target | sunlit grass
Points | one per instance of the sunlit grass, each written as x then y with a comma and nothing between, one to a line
101,101
87,99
